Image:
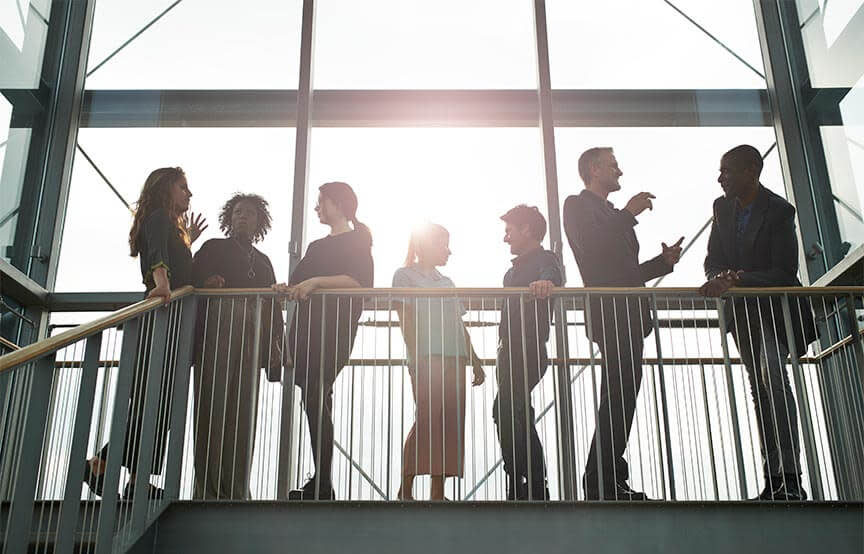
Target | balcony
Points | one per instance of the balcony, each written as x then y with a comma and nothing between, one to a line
694,446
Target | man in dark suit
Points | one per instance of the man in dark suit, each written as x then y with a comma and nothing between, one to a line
607,253
753,244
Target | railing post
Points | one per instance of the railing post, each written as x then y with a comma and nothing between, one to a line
151,412
567,448
119,419
185,338
803,400
663,405
598,446
286,456
78,449
733,405
33,434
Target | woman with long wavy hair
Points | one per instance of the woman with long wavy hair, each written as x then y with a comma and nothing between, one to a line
160,236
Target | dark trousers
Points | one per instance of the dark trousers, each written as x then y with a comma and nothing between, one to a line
135,416
621,379
764,357
317,393
514,415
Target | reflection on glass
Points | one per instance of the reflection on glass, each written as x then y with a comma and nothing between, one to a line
679,165
634,44
464,179
831,32
217,163
14,147
212,44
24,26
418,44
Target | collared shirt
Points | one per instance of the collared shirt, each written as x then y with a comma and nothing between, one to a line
438,326
742,218
536,265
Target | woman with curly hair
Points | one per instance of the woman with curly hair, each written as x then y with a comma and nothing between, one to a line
160,237
226,376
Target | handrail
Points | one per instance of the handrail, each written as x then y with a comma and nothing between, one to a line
33,351
9,344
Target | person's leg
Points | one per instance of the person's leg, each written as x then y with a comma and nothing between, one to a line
781,413
436,491
503,416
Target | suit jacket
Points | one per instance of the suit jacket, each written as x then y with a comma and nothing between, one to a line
768,256
607,253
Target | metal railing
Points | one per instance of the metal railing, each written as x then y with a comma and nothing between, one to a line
188,377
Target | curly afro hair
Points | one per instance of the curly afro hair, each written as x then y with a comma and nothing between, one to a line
261,206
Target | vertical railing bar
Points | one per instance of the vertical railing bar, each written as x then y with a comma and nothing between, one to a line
598,447
147,440
20,517
813,463
733,408
663,404
109,505
189,310
71,505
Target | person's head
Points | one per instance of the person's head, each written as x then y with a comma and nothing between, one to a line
429,245
524,228
164,188
739,171
599,170
245,216
337,202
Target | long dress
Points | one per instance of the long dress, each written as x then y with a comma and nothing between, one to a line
226,373
435,444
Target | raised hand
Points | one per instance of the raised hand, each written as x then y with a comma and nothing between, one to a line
671,254
639,203
195,225
214,282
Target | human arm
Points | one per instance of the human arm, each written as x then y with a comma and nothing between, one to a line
476,363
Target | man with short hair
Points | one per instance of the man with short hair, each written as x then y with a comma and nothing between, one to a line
521,358
753,244
607,253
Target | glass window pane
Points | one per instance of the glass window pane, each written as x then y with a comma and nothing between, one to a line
832,33
418,44
14,152
464,179
844,155
199,44
217,162
635,44
664,162
23,28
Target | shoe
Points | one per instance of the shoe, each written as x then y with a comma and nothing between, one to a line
621,491
96,483
153,492
778,489
516,489
325,492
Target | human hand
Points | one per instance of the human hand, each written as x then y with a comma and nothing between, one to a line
301,291
541,289
479,374
639,203
160,291
719,284
671,254
195,225
281,288
214,282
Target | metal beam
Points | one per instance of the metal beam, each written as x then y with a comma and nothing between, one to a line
413,108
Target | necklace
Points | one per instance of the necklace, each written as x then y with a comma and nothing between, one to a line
250,254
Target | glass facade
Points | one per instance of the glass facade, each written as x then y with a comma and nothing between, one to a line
430,110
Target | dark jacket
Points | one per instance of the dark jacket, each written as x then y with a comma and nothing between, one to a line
607,253
768,256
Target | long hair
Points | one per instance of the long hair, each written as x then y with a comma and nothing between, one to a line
155,195
343,196
261,207
420,236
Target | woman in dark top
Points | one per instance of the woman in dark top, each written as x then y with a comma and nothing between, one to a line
160,236
226,376
342,259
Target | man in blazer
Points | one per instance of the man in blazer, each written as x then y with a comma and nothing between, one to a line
753,244
607,253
